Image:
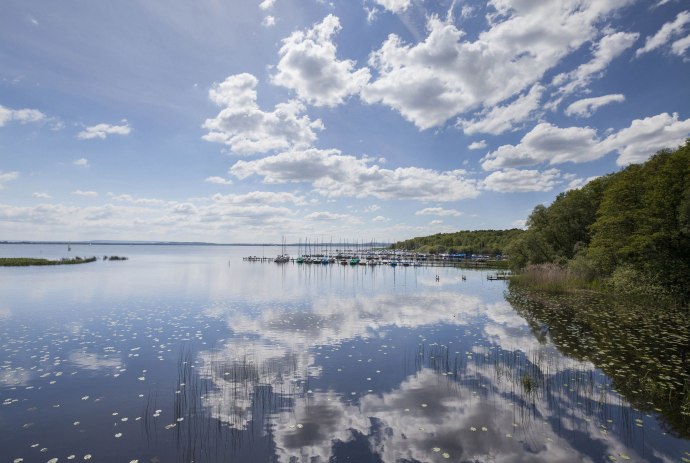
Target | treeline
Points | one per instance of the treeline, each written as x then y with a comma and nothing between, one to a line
487,242
630,229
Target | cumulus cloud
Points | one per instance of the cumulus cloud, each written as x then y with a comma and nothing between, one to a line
439,211
39,195
246,129
587,106
337,175
380,218
218,180
444,75
267,4
395,6
646,136
103,130
520,181
219,216
477,145
88,194
81,162
22,116
7,177
547,143
500,119
667,32
308,65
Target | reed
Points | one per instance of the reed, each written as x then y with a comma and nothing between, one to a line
552,278
27,261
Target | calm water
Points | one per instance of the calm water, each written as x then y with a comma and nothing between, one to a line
191,354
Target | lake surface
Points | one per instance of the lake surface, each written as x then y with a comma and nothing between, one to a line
189,353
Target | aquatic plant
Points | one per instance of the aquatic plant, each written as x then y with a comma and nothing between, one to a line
645,352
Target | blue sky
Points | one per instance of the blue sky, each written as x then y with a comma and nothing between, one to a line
246,121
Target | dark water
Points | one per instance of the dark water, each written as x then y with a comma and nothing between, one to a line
190,354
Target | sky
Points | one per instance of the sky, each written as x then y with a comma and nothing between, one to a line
250,121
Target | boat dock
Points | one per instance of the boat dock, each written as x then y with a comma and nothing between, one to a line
379,258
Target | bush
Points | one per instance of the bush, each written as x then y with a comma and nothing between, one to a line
626,281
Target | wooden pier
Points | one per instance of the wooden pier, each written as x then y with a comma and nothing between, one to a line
385,260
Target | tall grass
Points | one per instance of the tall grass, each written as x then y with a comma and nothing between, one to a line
553,278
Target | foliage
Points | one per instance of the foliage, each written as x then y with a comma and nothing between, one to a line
488,242
631,228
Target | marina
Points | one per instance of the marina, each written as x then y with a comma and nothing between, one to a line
384,257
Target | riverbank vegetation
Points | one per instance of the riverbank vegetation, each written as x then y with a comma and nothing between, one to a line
485,242
627,232
27,261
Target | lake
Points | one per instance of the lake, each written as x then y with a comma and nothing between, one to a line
189,353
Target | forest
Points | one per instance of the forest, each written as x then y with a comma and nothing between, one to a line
486,242
630,229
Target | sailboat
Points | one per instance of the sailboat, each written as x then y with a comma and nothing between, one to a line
283,257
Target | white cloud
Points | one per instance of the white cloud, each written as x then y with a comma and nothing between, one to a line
7,177
587,106
604,52
395,6
139,201
89,194
547,143
477,145
22,116
39,195
267,4
371,14
519,181
260,197
336,175
308,65
646,136
81,162
325,215
665,34
680,46
500,119
550,144
372,208
443,75
436,222
439,211
577,183
246,129
103,130
269,21
218,180
380,218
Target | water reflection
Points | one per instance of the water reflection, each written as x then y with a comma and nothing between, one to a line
202,360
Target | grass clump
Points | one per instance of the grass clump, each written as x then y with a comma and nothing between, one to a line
29,261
